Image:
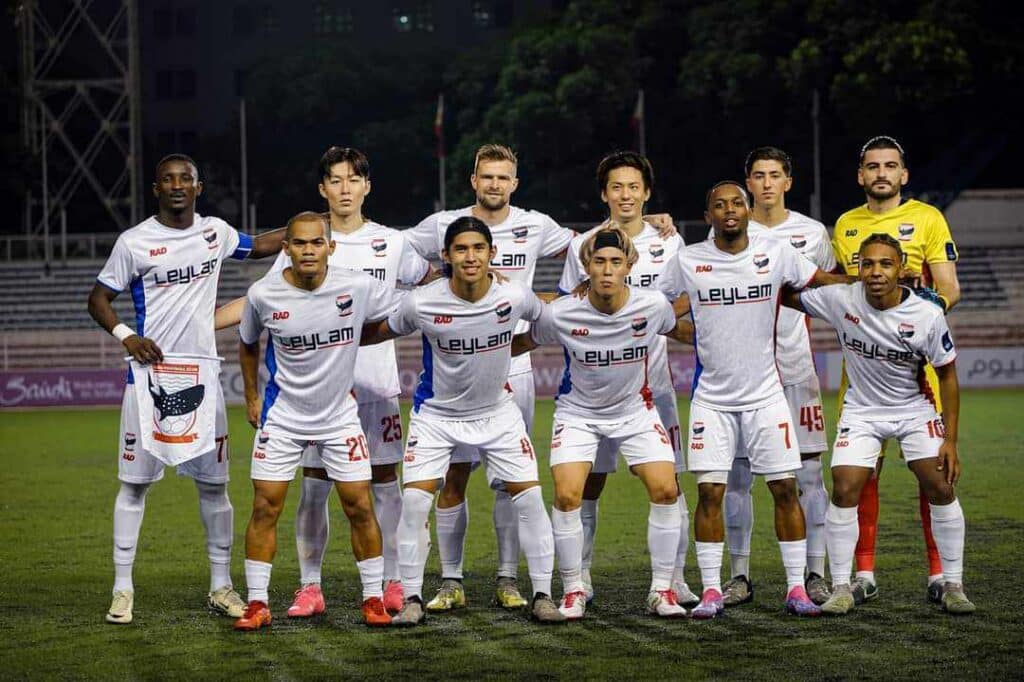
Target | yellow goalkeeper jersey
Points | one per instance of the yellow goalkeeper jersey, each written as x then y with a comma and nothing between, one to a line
920,228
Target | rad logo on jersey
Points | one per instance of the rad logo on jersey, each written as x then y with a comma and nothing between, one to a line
761,263
380,248
210,237
639,325
906,330
179,418
344,305
798,241
657,252
503,310
519,234
906,231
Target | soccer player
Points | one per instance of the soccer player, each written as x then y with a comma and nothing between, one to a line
384,254
625,180
769,174
606,398
887,334
931,262
521,237
314,317
171,263
733,282
464,399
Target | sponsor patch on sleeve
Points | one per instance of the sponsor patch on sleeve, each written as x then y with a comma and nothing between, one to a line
951,254
947,342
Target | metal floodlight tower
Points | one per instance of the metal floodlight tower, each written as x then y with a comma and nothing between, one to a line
80,107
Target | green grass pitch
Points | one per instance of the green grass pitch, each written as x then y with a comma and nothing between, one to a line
58,486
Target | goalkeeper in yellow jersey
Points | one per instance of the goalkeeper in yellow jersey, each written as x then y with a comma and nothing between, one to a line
930,266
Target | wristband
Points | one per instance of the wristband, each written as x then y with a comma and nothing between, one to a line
945,302
122,332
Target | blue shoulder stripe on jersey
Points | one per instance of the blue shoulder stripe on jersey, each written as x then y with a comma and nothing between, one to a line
561,291
425,388
107,286
245,244
696,353
138,290
270,394
566,384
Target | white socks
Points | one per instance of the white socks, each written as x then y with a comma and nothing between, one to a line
218,519
257,579
371,574
312,527
709,560
794,558
412,555
841,533
387,505
567,528
662,542
506,528
739,516
588,516
536,538
129,507
814,500
948,529
683,548
451,538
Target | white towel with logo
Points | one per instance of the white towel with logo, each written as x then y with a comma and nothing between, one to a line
177,401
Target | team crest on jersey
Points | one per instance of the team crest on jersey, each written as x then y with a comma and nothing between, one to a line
263,438
761,263
380,247
519,234
906,330
639,326
657,252
210,237
129,441
504,311
906,231
177,394
797,241
344,305
698,431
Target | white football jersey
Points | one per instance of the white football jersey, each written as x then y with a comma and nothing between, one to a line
885,350
607,378
734,300
653,254
172,274
521,240
311,353
384,254
467,347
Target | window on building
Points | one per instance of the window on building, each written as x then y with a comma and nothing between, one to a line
175,84
185,20
163,23
332,17
413,16
483,16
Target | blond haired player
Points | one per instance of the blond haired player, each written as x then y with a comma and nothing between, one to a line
931,257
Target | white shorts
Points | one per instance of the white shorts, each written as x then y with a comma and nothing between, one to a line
607,461
859,443
641,439
766,435
136,465
501,439
276,457
524,394
806,412
382,425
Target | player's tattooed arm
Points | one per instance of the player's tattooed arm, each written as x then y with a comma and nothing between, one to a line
142,349
267,244
790,298
376,332
663,223
945,281
683,332
522,343
249,360
949,391
229,314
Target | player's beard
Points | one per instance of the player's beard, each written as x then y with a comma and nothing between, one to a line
881,194
492,203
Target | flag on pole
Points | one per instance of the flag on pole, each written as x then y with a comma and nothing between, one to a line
637,123
439,126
